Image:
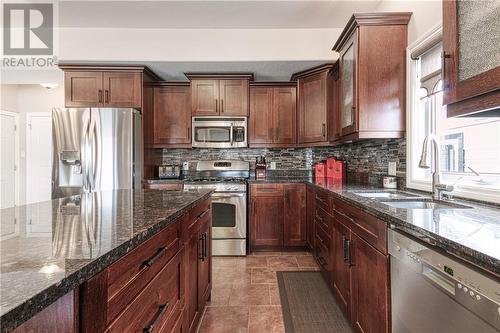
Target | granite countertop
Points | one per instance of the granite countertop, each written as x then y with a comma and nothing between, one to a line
470,234
49,248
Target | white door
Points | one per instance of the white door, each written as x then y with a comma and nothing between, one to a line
38,156
8,146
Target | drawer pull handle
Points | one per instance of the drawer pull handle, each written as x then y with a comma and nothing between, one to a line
202,213
345,216
321,200
161,310
151,261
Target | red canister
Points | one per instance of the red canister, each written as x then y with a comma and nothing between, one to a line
320,170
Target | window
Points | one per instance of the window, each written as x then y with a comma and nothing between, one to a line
469,146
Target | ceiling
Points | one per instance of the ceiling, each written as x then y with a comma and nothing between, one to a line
253,14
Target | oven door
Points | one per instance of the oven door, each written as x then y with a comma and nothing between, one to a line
228,215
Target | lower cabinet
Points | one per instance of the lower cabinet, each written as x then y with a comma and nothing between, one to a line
369,287
277,215
160,286
310,217
352,252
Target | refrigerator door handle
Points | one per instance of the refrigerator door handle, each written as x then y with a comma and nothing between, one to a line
95,147
85,150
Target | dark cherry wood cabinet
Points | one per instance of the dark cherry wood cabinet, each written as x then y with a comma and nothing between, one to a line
122,89
315,104
310,209
277,215
471,71
172,116
83,89
266,220
273,114
60,316
219,94
351,250
369,287
160,286
104,86
341,237
372,75
294,231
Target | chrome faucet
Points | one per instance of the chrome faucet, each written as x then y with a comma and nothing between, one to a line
437,187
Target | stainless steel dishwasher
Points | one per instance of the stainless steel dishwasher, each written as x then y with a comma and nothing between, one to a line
431,292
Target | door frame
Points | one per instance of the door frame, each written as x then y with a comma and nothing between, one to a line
29,116
17,153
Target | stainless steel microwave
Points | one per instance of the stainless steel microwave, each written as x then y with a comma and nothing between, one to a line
219,132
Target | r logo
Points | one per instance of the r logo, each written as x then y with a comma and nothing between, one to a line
28,29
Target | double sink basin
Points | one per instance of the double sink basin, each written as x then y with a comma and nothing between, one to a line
403,200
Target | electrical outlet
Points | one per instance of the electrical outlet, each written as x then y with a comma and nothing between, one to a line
273,166
392,168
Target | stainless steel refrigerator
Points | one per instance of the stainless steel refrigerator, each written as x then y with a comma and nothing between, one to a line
95,149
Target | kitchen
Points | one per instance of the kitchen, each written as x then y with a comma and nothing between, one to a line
300,173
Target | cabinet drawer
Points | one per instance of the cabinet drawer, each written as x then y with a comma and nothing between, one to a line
323,235
158,301
201,211
324,200
130,274
322,218
371,229
266,190
321,253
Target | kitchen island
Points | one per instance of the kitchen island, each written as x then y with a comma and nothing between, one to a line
51,248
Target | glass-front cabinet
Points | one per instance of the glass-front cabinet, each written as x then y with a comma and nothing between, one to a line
471,56
348,87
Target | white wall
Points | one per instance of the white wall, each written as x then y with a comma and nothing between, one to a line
427,14
197,44
22,99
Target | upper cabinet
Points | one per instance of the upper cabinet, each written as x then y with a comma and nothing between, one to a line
372,76
172,115
272,121
471,66
104,86
219,95
315,104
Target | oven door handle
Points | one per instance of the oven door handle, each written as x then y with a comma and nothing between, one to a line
228,196
231,137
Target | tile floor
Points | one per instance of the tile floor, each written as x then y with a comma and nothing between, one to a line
245,296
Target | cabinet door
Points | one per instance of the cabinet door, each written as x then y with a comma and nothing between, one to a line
205,97
312,109
261,115
284,114
341,270
311,199
294,224
122,90
192,292
471,63
348,105
233,98
266,221
370,287
83,89
204,262
172,116
334,130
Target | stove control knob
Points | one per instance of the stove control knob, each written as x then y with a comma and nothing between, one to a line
471,293
465,289
478,297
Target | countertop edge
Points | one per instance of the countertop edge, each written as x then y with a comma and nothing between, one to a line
28,309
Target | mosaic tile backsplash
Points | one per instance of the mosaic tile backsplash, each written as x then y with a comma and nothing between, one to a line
367,161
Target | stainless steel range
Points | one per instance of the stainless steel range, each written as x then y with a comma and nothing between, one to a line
229,202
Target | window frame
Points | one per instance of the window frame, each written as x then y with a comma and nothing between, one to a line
413,147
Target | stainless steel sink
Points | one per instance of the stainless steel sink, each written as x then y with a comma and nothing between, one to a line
386,195
423,204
